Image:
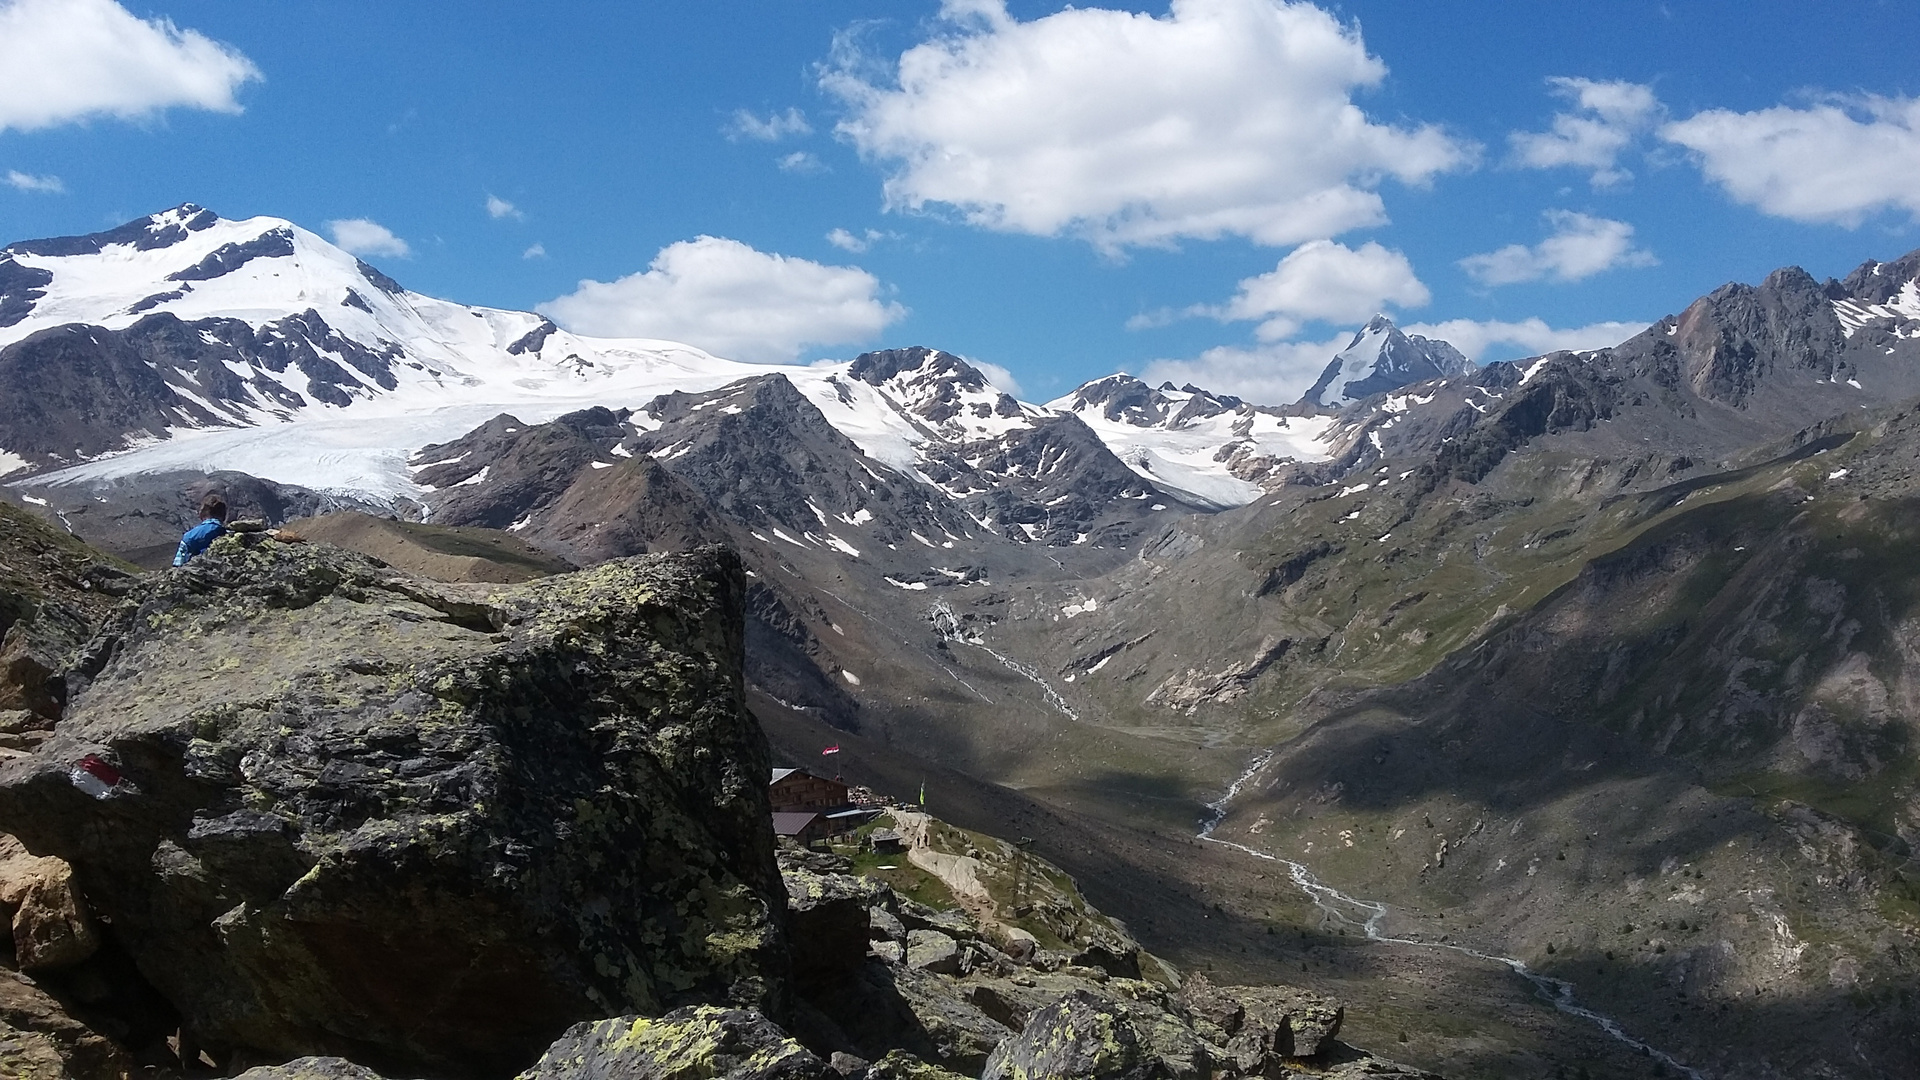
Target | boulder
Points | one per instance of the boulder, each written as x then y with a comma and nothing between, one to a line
38,1039
1257,1024
1083,1036
884,925
336,810
312,1068
700,1042
827,921
51,925
900,1065
931,950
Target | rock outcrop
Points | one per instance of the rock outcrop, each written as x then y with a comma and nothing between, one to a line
697,1041
330,809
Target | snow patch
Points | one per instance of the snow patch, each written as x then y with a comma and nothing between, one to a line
911,586
477,478
11,463
1084,607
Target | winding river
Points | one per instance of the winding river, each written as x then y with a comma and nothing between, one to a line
1366,915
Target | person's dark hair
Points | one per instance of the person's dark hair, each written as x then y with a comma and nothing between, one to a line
213,506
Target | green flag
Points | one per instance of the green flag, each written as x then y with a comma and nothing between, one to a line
923,793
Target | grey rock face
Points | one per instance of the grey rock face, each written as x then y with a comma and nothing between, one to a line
418,826
89,389
20,287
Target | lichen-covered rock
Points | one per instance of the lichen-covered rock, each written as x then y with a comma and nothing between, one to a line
884,925
1085,1037
1256,1024
950,1029
699,1042
931,950
900,1065
421,825
312,1068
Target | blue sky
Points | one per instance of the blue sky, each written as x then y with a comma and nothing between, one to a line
1217,190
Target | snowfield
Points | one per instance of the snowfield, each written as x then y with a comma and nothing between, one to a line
456,366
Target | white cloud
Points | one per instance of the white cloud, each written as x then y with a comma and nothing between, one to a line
800,161
363,237
70,60
39,185
775,127
1271,374
1225,117
1324,281
1580,247
1608,117
858,242
723,296
1277,373
1529,337
536,251
1000,377
498,208
1835,162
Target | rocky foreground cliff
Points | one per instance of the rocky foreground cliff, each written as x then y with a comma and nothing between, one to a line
290,808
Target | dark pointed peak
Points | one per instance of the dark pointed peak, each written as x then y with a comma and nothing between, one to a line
377,279
154,231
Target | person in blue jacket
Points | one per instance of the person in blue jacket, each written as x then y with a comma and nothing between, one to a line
213,522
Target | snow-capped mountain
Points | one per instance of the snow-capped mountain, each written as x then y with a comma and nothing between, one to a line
1381,358
185,340
1216,447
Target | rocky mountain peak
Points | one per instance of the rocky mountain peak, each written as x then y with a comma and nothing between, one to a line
149,233
1381,357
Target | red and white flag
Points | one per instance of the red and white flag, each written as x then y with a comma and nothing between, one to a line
830,750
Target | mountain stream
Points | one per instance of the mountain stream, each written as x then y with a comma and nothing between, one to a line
1366,915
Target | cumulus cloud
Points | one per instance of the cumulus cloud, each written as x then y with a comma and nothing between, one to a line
1835,162
1224,117
777,126
70,60
1324,281
1607,117
724,296
363,237
39,185
1275,373
1490,340
1000,377
1580,247
499,208
535,251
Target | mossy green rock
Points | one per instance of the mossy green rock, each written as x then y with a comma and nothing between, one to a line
700,1042
420,826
